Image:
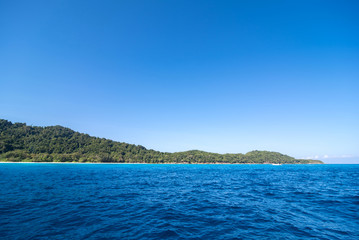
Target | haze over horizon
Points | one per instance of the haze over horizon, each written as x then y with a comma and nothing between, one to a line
226,77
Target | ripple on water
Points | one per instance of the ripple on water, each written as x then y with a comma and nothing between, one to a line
73,201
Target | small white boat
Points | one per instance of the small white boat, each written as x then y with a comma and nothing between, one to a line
276,164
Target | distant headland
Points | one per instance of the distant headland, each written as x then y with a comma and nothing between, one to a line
22,143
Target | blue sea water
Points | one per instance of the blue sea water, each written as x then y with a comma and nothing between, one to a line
145,201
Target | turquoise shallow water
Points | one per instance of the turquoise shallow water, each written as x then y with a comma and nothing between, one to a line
139,201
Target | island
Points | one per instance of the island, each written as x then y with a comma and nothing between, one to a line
22,143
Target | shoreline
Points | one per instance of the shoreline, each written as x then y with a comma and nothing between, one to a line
175,163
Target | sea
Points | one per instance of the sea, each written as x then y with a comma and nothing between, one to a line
178,201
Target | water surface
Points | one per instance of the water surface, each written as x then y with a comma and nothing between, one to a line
145,201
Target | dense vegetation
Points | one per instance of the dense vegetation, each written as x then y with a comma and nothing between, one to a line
19,142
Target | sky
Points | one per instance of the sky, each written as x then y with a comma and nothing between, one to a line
218,76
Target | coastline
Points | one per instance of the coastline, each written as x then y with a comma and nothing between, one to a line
174,163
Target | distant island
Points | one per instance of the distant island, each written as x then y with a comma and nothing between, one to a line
22,143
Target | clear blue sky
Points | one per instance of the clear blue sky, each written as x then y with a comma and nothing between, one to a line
219,76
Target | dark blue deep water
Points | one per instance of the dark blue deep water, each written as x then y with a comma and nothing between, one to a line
138,201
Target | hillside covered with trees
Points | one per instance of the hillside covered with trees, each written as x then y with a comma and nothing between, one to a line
19,142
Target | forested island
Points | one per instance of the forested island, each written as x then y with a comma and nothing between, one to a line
22,143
